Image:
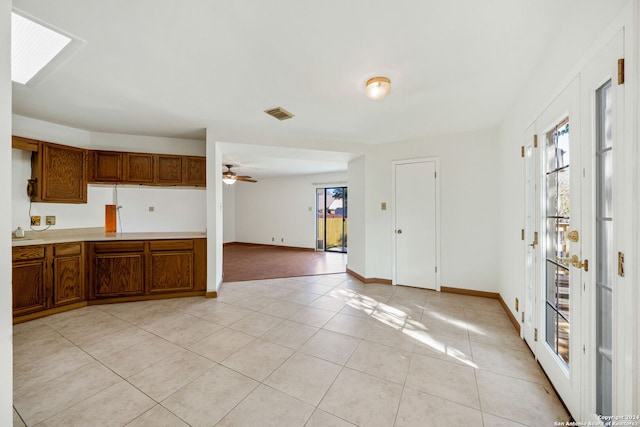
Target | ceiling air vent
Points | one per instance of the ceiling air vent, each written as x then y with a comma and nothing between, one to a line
279,113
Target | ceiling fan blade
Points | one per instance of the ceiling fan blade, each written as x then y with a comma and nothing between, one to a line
239,178
243,176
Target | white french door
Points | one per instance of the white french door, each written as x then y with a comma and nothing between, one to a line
559,345
572,199
603,111
415,217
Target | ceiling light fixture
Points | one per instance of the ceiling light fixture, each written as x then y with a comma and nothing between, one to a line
229,180
378,87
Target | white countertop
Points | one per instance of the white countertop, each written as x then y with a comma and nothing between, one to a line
96,235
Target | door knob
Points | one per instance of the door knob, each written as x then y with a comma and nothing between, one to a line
399,231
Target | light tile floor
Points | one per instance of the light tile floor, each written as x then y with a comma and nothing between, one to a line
310,351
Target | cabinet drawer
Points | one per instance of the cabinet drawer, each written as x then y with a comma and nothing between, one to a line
28,252
67,249
170,245
105,247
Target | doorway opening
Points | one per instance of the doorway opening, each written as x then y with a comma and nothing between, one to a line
331,219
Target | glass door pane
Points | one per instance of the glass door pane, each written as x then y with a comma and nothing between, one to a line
335,219
604,250
558,215
320,214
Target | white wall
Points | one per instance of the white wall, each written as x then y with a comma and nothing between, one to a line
228,213
146,144
6,330
50,132
175,208
357,217
280,208
469,207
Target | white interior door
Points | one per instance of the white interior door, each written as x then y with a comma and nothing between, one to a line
415,216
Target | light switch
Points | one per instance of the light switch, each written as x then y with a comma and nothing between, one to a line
152,209
383,206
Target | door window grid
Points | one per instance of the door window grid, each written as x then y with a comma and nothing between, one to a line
557,307
604,249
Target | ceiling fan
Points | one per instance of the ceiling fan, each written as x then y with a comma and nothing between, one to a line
229,177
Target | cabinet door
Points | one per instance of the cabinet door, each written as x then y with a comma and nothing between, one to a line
106,166
118,274
28,282
60,173
68,274
195,171
168,169
171,271
139,168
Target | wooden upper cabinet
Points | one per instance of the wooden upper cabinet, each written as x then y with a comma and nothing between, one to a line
60,174
138,168
168,169
106,166
195,171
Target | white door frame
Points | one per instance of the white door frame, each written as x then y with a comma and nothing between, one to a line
436,161
530,316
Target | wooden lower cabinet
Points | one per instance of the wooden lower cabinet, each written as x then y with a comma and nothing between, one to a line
170,266
29,294
51,276
68,273
47,276
116,269
142,268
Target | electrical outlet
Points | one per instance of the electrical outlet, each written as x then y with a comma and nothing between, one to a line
282,240
50,220
517,305
273,239
35,220
383,206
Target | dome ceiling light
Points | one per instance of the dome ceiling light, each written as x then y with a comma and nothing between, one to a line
378,87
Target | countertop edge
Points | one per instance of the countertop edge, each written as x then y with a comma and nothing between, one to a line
94,236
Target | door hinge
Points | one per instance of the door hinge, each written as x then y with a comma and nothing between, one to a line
535,334
621,71
535,141
620,264
522,151
523,317
436,269
584,349
435,174
522,234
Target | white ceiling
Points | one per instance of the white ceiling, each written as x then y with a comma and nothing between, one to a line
267,161
174,68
